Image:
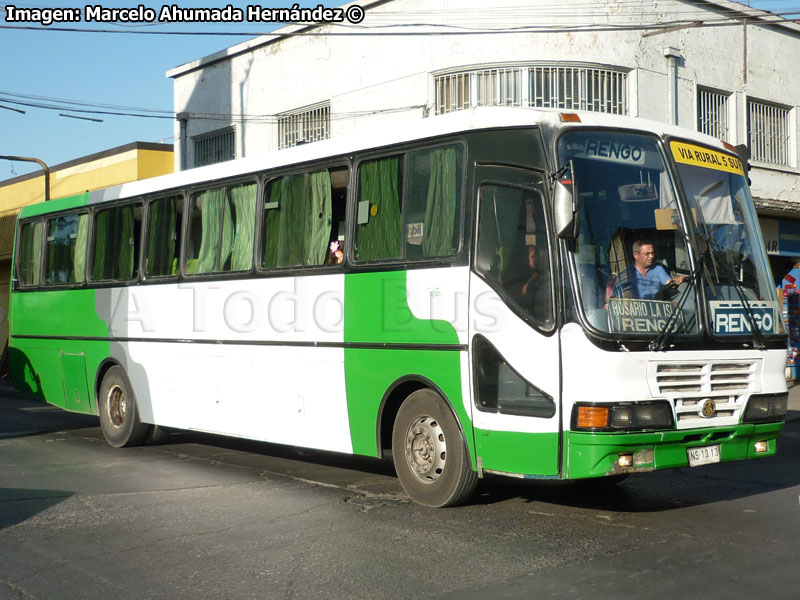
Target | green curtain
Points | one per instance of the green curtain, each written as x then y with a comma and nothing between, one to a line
52,268
113,244
382,236
441,210
318,219
31,253
101,239
244,200
292,221
216,232
161,237
125,246
79,256
272,225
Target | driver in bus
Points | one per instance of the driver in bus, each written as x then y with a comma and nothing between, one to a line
644,278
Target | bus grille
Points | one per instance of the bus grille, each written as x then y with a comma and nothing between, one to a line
705,393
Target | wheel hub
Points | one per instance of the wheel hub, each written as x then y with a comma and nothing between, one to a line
117,406
426,449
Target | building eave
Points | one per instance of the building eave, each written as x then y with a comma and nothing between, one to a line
769,207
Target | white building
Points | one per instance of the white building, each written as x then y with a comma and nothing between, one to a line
719,67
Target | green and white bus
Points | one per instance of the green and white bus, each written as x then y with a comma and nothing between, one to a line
448,291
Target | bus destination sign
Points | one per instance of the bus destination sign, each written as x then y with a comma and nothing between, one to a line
731,318
626,315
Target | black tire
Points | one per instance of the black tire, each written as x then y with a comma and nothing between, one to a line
429,452
119,414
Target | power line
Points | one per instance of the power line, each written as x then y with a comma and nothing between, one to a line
74,106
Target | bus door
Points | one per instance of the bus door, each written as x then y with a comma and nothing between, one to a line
514,345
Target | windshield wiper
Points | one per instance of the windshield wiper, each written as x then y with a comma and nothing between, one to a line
658,343
755,330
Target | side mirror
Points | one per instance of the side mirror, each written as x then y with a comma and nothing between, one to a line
565,207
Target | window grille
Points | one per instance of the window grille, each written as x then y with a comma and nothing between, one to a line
566,87
499,87
712,113
453,92
215,147
579,88
768,133
309,124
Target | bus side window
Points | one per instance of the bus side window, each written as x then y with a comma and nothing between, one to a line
303,222
163,236
379,213
409,206
221,229
65,249
432,205
116,238
30,253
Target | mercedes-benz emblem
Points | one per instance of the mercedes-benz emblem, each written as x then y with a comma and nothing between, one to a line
709,409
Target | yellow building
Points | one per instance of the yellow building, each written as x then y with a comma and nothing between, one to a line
131,162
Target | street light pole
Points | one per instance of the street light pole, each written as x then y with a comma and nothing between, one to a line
41,163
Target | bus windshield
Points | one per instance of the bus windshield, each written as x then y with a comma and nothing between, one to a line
738,287
631,257
634,272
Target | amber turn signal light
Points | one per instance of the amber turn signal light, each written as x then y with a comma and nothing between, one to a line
592,417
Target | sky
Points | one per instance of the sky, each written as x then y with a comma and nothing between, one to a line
120,70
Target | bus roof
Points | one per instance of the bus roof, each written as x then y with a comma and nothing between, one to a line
449,124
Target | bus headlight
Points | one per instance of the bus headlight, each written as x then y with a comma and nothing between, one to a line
623,416
766,407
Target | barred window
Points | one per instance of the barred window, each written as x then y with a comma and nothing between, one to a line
453,92
499,87
768,132
309,124
579,88
712,113
541,86
215,147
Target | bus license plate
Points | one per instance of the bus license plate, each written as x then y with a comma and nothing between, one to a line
705,455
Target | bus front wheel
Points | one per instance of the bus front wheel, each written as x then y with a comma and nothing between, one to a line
119,415
429,452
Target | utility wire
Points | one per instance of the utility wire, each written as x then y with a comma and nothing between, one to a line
263,118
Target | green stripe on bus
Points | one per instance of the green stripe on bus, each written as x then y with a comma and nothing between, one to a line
376,311
43,208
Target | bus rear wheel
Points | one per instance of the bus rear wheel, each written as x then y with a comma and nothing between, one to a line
119,415
429,452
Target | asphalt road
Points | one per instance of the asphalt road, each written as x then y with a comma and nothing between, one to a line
208,517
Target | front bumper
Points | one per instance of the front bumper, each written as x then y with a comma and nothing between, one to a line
596,454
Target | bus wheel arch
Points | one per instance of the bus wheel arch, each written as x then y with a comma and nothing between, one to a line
430,452
98,380
118,409
390,404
